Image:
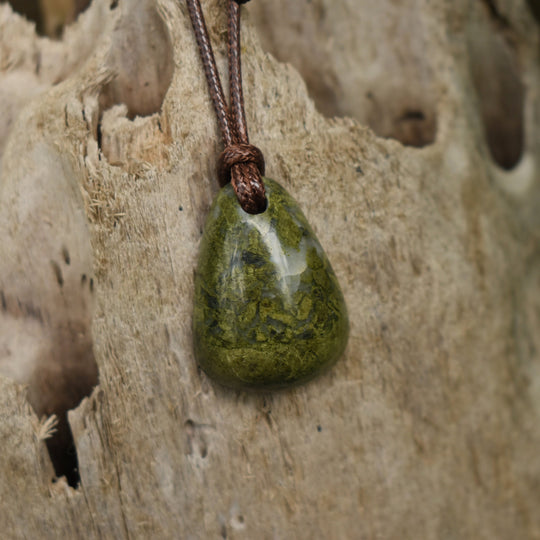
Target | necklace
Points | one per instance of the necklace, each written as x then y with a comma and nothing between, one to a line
268,309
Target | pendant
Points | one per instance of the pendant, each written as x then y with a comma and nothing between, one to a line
269,312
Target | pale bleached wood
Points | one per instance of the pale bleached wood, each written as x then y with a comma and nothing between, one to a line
427,428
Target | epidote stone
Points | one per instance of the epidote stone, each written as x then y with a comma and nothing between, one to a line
268,311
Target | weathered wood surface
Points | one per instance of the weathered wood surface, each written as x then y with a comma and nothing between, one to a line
429,427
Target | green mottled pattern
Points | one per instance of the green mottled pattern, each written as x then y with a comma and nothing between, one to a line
268,308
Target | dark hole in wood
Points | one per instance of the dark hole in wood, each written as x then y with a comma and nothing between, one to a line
497,78
58,273
496,16
383,103
143,61
414,128
63,453
65,254
30,9
49,23
99,136
534,6
66,374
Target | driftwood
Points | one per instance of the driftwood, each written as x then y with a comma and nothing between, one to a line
409,134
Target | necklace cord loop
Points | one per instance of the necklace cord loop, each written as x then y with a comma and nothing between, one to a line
240,163
236,154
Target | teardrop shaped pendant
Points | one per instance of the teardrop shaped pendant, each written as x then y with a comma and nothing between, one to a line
268,311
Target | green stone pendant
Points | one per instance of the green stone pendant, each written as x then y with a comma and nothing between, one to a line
268,311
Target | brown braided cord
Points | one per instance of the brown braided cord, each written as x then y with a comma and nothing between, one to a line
235,74
210,69
240,163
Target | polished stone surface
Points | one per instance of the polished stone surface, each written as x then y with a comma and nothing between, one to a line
268,310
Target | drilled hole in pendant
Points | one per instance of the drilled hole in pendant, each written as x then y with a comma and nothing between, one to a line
50,17
265,206
257,211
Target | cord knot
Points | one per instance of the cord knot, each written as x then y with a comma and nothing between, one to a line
243,166
235,154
